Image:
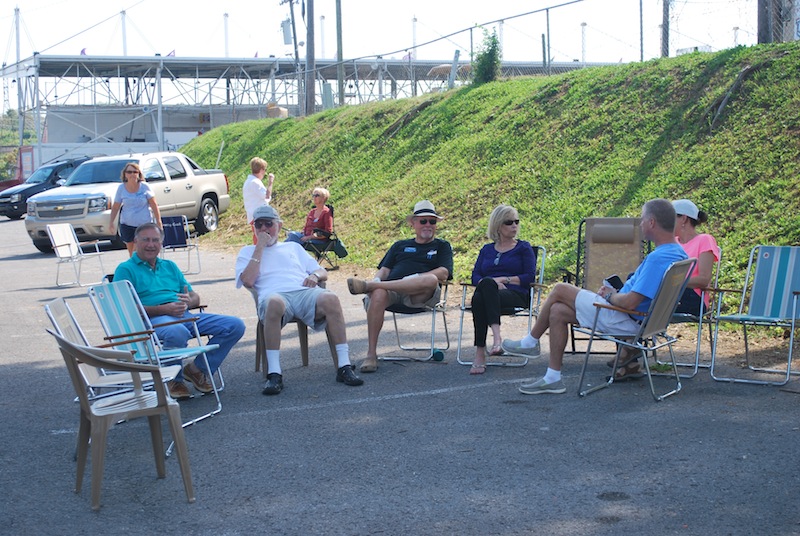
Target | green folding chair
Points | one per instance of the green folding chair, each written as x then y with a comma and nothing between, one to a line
769,298
126,323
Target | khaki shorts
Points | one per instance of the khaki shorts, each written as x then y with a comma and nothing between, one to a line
395,298
300,304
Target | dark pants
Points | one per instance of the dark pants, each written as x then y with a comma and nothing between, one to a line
689,303
487,304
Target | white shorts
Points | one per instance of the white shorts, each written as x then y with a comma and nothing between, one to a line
609,321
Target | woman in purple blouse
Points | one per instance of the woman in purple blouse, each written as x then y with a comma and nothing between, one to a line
502,275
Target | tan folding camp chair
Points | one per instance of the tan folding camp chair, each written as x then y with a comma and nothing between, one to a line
606,247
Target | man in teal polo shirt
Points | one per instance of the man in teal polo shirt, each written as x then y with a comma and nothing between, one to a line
167,296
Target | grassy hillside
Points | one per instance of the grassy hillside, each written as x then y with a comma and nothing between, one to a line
721,129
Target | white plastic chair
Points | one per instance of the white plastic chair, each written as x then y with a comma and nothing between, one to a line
68,251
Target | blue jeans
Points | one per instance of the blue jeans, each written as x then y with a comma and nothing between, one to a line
222,329
295,236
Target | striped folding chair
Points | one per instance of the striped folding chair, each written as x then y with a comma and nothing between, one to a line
124,320
769,298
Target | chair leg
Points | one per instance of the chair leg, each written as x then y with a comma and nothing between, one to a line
99,436
261,350
158,444
302,333
84,431
174,419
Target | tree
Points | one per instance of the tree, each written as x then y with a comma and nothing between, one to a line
487,61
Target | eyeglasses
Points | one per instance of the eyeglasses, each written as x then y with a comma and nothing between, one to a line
131,171
267,224
426,221
511,222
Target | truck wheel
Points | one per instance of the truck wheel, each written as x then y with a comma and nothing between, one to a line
208,218
14,216
44,247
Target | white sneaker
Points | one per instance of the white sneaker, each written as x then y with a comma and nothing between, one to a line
516,348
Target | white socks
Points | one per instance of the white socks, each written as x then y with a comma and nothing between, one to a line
529,342
343,353
274,361
552,376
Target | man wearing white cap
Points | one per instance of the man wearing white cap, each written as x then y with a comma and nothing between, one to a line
409,274
286,280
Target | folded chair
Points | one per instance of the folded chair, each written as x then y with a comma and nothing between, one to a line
769,298
704,316
68,251
126,323
535,301
606,247
302,334
178,237
101,383
652,334
330,249
435,353
99,416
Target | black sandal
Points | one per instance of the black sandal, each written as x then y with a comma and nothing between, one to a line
630,371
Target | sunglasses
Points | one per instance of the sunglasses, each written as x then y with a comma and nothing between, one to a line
267,224
316,195
511,222
131,171
425,221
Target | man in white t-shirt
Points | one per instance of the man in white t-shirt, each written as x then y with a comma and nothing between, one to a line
286,280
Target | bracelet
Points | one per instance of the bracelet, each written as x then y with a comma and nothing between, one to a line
253,259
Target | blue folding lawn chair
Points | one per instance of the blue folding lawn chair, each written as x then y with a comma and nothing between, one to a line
124,319
769,298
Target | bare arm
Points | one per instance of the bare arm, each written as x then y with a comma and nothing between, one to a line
705,263
156,212
112,224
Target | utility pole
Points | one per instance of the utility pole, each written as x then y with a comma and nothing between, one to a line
765,21
641,32
310,62
665,30
339,53
300,101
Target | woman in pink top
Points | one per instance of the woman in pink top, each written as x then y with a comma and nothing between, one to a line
701,246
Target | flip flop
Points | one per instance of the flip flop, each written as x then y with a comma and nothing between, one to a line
477,369
497,349
367,366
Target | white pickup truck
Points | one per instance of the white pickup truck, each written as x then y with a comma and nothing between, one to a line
180,185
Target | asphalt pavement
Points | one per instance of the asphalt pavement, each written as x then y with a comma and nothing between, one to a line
420,448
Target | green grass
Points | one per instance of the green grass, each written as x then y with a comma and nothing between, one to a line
594,142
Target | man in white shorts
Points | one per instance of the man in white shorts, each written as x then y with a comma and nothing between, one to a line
286,280
568,304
